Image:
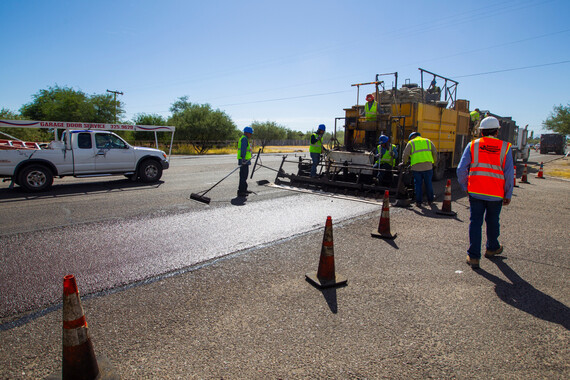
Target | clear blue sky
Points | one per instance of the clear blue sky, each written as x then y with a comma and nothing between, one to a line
292,61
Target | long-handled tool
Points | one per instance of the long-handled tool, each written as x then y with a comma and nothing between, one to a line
200,196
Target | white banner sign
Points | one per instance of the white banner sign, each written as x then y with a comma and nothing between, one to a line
91,126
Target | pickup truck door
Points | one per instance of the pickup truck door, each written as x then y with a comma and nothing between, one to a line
113,154
83,153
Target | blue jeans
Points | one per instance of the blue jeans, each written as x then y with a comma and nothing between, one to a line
316,157
423,177
491,210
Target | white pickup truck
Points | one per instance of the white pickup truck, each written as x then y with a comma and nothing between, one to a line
79,153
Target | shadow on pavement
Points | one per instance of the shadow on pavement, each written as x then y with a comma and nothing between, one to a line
525,297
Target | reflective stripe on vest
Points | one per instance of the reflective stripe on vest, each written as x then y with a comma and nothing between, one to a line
421,151
248,151
387,157
486,172
318,146
370,112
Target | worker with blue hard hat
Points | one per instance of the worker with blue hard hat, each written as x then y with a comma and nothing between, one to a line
422,155
244,160
316,148
386,155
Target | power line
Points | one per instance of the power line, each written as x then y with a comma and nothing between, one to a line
512,69
288,98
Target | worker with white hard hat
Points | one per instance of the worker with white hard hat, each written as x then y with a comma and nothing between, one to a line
486,172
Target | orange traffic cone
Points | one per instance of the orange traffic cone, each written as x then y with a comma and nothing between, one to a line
524,178
540,171
384,225
325,277
78,357
515,177
446,206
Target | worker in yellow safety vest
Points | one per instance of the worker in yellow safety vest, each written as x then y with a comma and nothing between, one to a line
486,172
422,155
316,148
370,108
244,160
386,155
474,118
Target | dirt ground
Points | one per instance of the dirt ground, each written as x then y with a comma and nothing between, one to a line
558,168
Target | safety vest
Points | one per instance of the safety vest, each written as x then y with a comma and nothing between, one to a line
387,157
370,111
421,151
248,151
474,116
318,146
486,173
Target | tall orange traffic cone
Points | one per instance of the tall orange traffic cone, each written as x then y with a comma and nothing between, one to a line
383,231
78,358
515,177
524,178
325,277
446,206
540,171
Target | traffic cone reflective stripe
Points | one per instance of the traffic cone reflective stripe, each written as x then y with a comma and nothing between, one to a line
524,178
325,276
383,231
78,359
540,171
446,206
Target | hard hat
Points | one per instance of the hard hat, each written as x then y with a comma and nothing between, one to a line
477,109
369,98
383,139
490,122
413,134
322,127
248,130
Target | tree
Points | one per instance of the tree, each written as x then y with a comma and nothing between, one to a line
559,120
66,104
266,131
200,124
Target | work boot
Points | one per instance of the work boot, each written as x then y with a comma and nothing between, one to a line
473,263
489,253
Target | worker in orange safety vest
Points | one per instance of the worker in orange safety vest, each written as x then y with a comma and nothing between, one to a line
486,172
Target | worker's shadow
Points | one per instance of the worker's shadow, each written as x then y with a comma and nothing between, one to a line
522,295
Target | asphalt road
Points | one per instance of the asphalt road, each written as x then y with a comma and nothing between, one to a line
412,308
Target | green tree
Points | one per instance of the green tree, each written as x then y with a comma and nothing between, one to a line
559,120
266,131
295,135
66,104
200,124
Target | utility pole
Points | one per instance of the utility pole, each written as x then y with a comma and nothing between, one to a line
115,101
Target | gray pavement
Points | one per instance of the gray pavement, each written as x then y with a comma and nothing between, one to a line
412,307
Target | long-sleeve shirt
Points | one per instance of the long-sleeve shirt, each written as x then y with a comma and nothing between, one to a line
421,166
463,174
379,154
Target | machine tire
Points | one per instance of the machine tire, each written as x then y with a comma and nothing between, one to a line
150,171
35,178
439,170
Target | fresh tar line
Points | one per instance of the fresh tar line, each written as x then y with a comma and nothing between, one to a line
112,254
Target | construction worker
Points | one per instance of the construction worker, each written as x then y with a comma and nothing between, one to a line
316,148
244,160
474,118
422,155
433,88
370,108
486,172
386,155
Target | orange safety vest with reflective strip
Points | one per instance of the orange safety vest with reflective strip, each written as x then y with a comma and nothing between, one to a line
486,173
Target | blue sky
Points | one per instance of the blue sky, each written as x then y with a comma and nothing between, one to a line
292,62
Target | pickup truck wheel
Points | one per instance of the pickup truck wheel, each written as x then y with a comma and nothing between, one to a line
35,178
150,171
